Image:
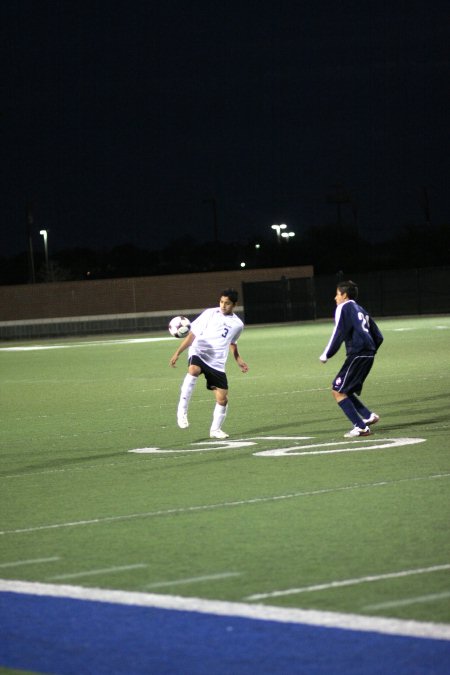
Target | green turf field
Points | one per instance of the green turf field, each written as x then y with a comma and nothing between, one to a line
287,513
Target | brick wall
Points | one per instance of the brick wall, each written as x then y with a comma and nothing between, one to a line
130,296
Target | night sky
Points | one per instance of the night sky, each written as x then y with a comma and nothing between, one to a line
122,121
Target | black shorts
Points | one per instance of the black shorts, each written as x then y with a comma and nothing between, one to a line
215,379
350,378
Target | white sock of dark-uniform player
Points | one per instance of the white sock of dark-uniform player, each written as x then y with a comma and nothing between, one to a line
220,412
187,388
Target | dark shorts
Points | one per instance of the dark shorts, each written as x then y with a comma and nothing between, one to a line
215,379
350,378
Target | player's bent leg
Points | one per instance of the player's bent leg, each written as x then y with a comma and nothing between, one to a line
338,396
187,388
363,411
346,385
345,403
219,414
368,416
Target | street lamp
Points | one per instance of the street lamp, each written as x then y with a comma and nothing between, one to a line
287,235
45,235
278,229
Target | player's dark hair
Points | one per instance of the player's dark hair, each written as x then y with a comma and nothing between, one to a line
231,294
348,287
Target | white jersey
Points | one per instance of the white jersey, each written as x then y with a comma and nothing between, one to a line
214,332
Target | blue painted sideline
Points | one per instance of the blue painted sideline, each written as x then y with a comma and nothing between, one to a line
73,637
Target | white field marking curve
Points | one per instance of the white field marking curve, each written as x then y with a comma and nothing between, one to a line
309,617
357,445
185,510
348,582
354,446
216,445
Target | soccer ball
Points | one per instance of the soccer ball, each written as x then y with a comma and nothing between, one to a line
179,326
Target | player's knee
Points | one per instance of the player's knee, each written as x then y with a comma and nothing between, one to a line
222,398
338,396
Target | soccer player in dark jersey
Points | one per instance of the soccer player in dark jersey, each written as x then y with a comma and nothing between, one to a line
362,337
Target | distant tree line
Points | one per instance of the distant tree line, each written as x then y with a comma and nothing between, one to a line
328,248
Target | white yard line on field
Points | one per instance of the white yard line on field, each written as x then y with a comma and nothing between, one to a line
33,561
433,597
194,580
348,582
184,510
98,343
91,573
435,631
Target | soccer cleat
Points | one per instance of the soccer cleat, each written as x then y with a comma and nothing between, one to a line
373,419
356,431
218,433
182,421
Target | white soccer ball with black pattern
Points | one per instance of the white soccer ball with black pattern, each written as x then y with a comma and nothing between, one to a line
179,326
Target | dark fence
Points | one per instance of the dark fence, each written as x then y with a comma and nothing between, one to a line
278,301
266,296
386,293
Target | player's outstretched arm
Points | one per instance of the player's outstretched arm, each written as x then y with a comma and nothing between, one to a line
188,340
241,363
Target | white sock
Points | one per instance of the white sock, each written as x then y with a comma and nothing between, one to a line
187,389
220,412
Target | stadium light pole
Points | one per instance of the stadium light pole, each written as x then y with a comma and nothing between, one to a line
278,229
45,236
30,223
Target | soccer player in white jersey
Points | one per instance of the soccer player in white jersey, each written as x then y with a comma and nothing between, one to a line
213,335
362,337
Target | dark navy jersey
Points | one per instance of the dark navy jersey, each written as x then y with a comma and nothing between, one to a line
356,328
